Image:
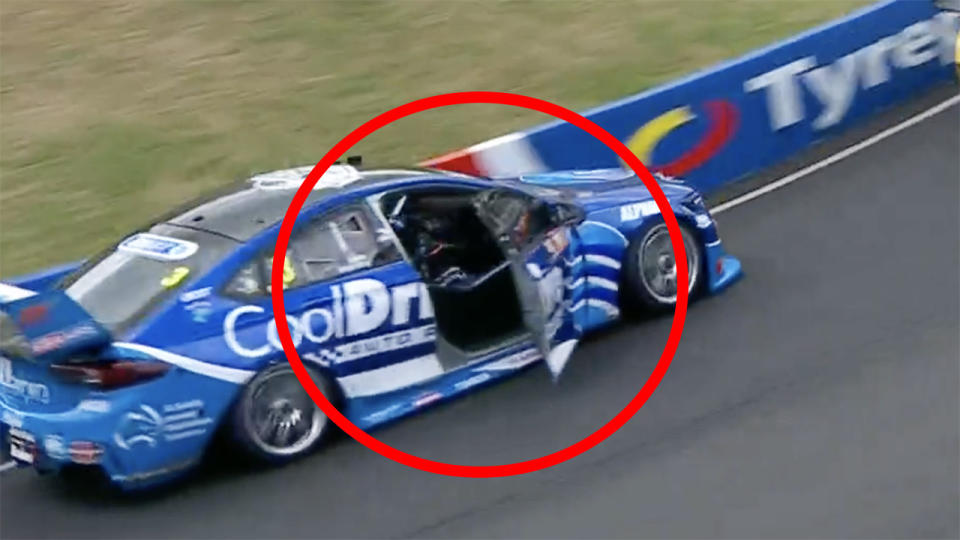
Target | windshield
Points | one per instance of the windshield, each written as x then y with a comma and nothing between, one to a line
122,286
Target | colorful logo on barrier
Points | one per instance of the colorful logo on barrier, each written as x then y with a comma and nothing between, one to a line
722,117
956,55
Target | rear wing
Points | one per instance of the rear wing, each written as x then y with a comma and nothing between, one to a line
46,326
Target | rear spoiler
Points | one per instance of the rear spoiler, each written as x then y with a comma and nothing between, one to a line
46,326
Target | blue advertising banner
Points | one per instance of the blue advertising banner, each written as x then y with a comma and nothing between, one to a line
753,112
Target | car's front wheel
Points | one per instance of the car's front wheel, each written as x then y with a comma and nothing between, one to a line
650,269
275,420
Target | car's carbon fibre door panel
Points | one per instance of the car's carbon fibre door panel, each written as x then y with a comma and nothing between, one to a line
544,255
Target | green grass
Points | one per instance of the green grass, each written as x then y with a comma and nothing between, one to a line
112,112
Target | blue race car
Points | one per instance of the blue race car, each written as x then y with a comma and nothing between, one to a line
404,288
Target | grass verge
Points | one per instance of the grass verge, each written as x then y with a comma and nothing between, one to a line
111,112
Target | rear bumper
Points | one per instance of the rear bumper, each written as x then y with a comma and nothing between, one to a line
50,442
138,437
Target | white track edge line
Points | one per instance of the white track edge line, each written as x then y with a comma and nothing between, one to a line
7,466
830,160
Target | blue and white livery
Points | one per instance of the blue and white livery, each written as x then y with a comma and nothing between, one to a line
404,288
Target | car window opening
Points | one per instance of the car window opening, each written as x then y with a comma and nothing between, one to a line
468,276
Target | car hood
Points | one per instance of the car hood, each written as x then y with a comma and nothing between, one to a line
603,188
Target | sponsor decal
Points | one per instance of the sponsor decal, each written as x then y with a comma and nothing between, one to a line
514,361
199,311
27,390
426,399
161,248
55,447
34,314
382,413
834,86
195,295
336,176
383,343
175,277
94,405
357,307
62,338
11,419
723,118
703,221
635,211
289,272
146,426
480,378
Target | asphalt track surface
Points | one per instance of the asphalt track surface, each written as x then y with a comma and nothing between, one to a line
816,398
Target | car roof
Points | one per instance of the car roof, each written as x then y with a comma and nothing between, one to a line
243,209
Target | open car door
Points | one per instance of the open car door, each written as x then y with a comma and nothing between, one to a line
540,241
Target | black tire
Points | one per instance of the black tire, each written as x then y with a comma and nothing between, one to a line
289,406
640,292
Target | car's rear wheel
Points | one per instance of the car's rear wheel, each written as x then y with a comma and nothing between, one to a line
275,420
650,270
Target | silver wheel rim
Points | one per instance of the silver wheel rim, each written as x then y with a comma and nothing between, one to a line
280,416
658,268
